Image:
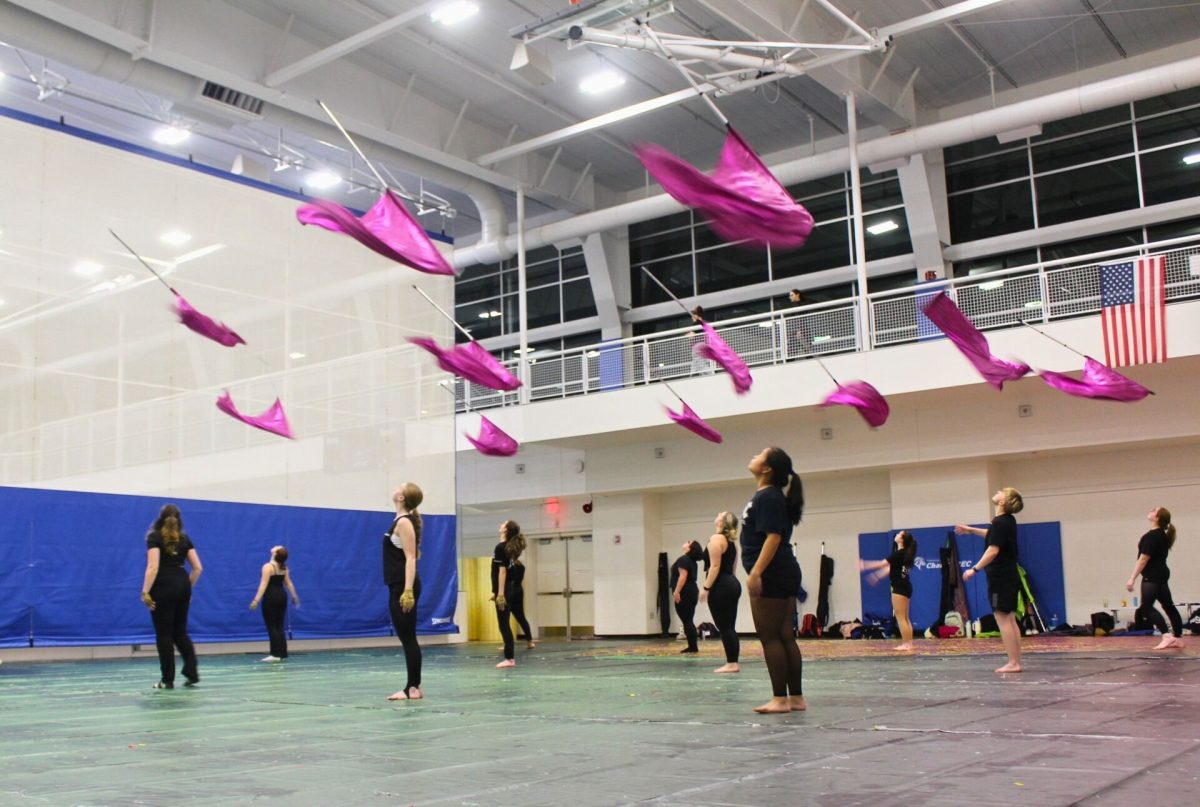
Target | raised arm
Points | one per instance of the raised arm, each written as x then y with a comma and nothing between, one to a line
149,577
963,529
263,579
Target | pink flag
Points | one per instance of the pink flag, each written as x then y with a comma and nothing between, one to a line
387,228
273,420
742,200
471,362
1098,381
714,348
492,440
943,313
693,423
205,326
862,396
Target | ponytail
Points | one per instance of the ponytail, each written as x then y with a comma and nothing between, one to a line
782,476
411,499
514,540
795,498
169,526
1163,516
280,556
1170,531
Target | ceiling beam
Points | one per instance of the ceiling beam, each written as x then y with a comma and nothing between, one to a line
346,46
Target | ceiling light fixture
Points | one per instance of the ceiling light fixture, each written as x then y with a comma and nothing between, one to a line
88,268
170,135
296,355
454,13
323,180
175,238
601,82
883,227
1034,304
1192,159
991,285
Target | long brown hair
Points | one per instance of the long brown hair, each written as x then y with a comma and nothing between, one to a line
1163,516
169,525
514,541
412,497
280,557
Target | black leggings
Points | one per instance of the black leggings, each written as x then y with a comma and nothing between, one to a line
516,604
773,617
172,595
504,619
274,609
406,628
686,608
723,603
1160,593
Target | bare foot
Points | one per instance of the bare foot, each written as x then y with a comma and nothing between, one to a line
797,702
506,663
1010,668
398,696
1169,642
415,694
531,645
775,706
903,648
732,667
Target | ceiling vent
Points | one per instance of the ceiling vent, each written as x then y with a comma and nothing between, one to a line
224,105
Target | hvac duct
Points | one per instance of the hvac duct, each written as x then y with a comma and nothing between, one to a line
27,30
1055,106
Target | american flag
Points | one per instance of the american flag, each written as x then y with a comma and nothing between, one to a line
1133,312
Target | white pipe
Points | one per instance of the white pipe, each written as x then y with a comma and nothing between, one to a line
522,300
1055,106
856,212
30,31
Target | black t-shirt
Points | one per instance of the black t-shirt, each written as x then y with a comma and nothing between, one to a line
897,569
174,557
766,513
499,561
1002,534
689,566
1154,544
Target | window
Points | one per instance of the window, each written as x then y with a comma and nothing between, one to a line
1083,193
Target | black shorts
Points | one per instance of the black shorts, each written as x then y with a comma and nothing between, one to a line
1002,594
903,588
781,579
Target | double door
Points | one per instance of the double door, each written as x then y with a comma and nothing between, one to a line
565,601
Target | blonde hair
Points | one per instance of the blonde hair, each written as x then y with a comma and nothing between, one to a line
1013,502
169,525
729,526
1163,516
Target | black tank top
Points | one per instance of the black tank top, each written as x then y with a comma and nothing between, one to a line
394,560
728,558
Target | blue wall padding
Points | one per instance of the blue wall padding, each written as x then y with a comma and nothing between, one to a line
71,567
1039,547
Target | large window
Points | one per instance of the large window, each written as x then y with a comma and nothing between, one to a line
1101,162
558,290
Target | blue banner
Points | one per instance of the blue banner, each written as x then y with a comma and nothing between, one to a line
1039,547
71,569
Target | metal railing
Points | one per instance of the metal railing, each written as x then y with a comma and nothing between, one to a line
1040,292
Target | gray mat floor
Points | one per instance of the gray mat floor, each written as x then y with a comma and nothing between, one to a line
585,724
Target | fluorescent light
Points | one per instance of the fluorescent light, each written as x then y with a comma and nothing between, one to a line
991,285
766,324
88,268
883,227
323,180
106,285
175,238
1,298
488,314
526,350
1192,159
601,82
454,13
170,135
591,354
296,355
1034,304
816,340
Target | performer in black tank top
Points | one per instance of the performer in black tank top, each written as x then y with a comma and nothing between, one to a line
685,591
275,576
722,589
167,592
400,544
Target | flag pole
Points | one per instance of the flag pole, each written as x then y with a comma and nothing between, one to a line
442,311
668,291
383,183
143,262
826,369
1052,339
670,57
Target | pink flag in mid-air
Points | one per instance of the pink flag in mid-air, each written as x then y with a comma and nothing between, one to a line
693,423
387,228
472,362
273,420
714,348
943,313
742,200
865,398
203,325
492,440
1098,381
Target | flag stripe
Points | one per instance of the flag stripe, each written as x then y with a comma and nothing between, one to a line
1133,311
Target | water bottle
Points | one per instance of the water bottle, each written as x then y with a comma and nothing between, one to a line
1053,623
